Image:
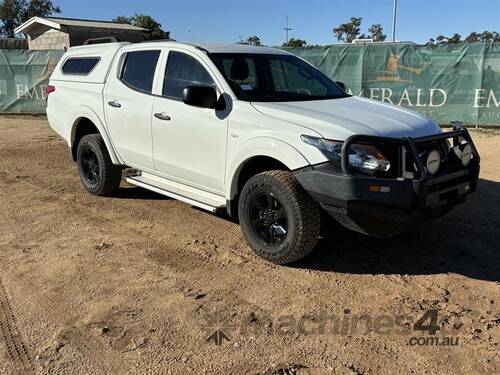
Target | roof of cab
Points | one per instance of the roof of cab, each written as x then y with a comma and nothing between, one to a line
105,52
239,48
208,47
222,47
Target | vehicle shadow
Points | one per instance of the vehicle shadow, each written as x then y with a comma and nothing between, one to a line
466,241
135,192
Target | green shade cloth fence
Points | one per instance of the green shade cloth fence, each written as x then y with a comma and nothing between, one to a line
24,76
445,82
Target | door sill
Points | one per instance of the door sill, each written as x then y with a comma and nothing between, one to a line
175,190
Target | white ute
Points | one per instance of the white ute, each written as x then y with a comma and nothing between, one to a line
259,132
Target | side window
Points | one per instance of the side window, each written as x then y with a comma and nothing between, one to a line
182,71
80,66
139,69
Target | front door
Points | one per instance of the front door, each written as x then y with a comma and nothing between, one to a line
189,143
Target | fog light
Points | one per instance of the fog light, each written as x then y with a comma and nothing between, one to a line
466,154
433,162
463,151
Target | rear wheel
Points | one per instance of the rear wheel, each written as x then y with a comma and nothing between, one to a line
97,172
280,221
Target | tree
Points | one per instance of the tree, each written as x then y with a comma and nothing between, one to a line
146,22
40,8
154,27
473,37
123,19
15,12
295,43
349,31
456,38
251,41
377,33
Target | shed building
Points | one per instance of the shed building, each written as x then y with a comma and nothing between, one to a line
44,33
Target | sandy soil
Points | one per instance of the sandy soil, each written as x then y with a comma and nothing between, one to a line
138,283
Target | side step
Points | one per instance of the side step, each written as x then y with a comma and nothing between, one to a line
175,190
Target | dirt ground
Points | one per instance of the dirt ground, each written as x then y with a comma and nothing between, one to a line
139,283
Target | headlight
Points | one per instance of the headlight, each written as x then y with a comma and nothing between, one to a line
364,158
331,149
368,159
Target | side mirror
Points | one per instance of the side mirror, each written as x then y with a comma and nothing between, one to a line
341,85
200,96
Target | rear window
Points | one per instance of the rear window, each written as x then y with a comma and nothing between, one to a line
139,70
80,65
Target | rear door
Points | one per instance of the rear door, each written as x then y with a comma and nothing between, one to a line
128,101
189,143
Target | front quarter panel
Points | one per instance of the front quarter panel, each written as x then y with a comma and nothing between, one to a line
253,134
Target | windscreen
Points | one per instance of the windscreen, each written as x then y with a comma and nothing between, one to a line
274,78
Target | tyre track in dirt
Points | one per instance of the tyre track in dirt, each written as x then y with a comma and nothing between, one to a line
17,350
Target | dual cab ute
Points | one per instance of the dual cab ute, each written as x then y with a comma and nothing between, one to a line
259,132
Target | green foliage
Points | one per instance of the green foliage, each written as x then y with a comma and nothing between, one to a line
348,31
40,8
123,19
251,41
295,43
473,37
154,28
377,33
351,30
14,12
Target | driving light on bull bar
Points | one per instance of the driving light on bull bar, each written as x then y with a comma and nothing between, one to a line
364,158
433,162
464,152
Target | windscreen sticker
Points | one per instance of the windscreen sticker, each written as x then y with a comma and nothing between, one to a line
246,87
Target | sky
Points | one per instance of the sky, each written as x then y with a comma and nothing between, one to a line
312,20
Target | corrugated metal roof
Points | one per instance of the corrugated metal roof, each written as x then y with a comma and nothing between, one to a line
92,23
57,22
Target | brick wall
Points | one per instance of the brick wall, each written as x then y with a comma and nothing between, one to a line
44,38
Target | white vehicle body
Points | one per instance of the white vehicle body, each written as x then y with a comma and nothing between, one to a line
206,151
197,154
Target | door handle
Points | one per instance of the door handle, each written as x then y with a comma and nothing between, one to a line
162,116
114,103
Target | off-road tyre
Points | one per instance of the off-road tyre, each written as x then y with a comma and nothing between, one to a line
303,216
98,174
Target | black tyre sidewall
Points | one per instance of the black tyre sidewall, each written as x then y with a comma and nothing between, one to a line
109,179
301,237
246,220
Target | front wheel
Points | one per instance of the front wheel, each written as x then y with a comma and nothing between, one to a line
97,172
280,221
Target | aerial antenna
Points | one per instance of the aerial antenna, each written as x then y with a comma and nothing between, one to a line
287,29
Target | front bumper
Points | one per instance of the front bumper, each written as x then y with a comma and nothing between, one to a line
348,198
